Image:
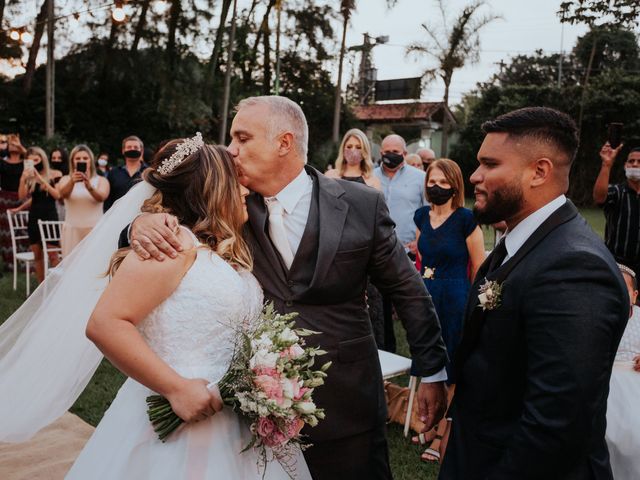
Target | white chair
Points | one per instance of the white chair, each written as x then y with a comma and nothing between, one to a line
18,228
50,233
393,365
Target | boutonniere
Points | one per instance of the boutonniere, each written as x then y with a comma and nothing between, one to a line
490,294
429,273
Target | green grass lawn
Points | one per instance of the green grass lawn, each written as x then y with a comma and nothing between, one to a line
90,406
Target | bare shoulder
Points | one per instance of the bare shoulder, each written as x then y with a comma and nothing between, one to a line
333,173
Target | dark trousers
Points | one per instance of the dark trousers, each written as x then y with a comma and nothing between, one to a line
362,456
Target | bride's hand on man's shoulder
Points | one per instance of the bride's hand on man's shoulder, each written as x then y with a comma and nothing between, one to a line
155,235
192,401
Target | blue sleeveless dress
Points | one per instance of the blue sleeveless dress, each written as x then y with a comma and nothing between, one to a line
444,250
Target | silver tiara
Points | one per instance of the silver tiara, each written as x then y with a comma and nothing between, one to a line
627,270
186,148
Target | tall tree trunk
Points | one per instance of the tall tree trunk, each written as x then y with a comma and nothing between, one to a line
108,50
35,48
266,82
2,4
337,106
212,66
583,99
140,26
222,134
264,26
445,120
176,10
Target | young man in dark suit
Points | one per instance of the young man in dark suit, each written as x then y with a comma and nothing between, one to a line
544,317
315,242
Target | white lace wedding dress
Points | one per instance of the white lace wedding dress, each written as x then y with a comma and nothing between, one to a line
193,331
623,413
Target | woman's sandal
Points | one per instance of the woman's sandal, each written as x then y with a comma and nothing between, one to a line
423,439
432,454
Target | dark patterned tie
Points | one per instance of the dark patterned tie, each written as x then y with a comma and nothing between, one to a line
497,256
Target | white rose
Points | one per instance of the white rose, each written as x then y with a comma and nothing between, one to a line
263,358
489,293
307,407
288,387
483,298
288,335
296,350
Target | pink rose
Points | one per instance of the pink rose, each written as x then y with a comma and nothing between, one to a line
275,439
301,393
294,351
262,370
265,427
269,385
294,426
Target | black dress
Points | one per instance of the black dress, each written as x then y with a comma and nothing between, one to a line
43,207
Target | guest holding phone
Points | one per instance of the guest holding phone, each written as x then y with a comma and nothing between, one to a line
84,193
620,202
39,195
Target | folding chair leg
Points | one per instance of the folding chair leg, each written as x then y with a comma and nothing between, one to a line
15,273
413,383
28,278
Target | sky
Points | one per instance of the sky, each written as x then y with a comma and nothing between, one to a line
526,26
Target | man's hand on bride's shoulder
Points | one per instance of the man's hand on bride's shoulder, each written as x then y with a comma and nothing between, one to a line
154,235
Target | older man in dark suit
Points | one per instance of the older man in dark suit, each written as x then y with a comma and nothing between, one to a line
315,241
544,317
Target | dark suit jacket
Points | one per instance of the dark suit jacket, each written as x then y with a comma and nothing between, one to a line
531,397
349,236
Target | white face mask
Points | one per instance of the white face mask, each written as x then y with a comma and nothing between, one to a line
632,173
102,162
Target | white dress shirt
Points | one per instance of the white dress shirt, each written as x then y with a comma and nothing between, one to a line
514,239
295,198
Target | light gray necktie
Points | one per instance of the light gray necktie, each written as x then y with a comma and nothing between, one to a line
277,231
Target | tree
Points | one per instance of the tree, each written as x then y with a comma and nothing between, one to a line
452,49
622,13
40,23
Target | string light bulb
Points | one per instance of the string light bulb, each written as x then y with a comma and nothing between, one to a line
26,37
14,35
118,13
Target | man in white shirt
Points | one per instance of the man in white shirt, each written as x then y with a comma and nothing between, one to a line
315,242
544,317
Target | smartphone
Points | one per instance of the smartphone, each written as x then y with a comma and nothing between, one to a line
615,134
28,164
81,167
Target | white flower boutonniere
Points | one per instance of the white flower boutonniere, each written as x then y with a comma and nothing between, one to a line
429,273
490,294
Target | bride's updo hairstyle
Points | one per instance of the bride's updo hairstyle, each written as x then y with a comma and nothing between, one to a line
203,192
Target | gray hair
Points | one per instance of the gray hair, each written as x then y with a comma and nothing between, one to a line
286,116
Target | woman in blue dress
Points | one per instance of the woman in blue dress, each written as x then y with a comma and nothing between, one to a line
451,247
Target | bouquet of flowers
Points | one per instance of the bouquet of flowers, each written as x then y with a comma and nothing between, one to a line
270,382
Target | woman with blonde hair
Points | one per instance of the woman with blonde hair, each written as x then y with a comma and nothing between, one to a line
354,160
39,195
175,338
451,248
84,193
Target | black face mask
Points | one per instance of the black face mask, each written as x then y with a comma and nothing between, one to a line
39,166
132,153
4,153
438,195
392,160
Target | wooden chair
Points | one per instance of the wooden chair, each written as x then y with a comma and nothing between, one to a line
50,233
18,228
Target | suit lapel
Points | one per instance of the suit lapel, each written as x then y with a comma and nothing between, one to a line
475,315
332,212
258,221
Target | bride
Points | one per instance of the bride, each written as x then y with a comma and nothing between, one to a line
169,326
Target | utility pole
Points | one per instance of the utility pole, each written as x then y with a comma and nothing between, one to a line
278,15
51,70
367,74
222,134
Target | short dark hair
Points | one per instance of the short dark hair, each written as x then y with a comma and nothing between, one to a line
540,123
634,150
